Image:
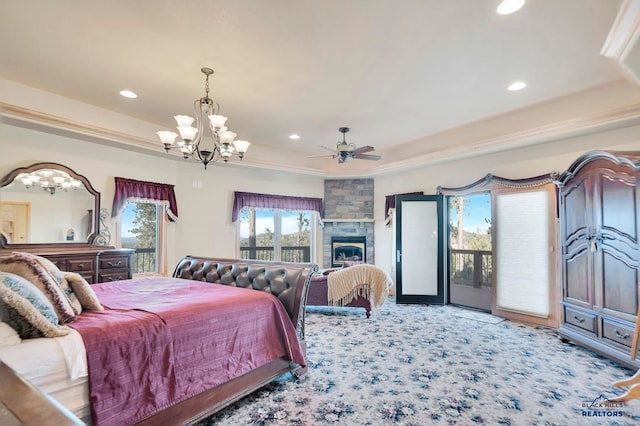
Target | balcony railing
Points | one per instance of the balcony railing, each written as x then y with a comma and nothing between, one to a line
471,268
289,253
144,260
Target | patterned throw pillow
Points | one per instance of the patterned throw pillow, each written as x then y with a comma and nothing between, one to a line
31,270
83,291
58,276
26,309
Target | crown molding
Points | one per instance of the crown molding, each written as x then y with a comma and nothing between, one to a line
622,41
13,113
617,118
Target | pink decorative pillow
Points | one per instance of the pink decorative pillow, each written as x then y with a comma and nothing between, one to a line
31,270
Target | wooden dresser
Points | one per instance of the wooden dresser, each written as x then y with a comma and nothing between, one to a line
96,264
600,227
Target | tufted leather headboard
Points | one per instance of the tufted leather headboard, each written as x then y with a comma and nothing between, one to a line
287,281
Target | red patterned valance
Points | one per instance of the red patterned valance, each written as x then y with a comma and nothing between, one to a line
128,189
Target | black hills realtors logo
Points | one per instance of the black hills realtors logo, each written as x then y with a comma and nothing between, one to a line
602,407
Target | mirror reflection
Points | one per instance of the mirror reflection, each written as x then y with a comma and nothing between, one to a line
47,205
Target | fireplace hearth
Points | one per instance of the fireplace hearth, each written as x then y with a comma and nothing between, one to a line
353,248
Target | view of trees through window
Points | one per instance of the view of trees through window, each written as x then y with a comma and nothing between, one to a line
139,231
470,239
273,234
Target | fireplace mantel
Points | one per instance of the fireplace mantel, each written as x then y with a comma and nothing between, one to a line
335,221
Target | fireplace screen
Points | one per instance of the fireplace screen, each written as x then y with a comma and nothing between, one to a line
348,249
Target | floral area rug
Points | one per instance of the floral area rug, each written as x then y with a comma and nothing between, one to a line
424,365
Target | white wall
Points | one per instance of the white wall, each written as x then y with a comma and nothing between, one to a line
205,214
204,227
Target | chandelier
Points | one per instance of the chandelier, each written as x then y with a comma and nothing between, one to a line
209,141
49,180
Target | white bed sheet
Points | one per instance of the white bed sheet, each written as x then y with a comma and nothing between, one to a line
56,366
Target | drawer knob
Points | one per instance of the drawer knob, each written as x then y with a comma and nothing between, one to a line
621,336
578,319
112,264
81,265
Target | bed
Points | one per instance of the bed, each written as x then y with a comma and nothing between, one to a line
172,350
360,286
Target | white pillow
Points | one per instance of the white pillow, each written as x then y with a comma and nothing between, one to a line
8,336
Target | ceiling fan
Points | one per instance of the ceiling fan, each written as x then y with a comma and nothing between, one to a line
345,150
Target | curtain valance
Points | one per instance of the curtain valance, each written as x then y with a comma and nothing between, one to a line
127,189
250,199
390,202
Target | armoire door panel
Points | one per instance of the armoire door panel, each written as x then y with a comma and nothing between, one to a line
619,195
621,290
577,278
576,223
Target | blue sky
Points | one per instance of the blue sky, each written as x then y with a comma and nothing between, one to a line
476,208
126,221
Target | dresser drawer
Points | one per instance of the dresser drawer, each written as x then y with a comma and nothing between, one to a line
617,332
80,265
113,276
120,262
580,319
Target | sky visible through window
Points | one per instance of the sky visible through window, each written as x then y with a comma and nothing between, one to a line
126,221
264,219
477,207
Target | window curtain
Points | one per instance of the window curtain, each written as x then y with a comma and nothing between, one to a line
390,203
141,191
249,199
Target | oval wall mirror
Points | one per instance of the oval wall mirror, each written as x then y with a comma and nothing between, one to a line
47,203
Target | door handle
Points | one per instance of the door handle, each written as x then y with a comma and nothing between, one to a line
398,256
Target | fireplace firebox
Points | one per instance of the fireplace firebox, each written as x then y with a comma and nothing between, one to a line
348,249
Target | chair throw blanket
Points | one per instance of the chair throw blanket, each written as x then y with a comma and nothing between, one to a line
364,280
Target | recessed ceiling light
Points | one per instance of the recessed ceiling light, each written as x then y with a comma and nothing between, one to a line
517,85
294,136
128,94
509,6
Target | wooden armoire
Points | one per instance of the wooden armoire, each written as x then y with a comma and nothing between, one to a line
599,231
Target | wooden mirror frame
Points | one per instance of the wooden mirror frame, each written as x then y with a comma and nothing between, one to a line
10,177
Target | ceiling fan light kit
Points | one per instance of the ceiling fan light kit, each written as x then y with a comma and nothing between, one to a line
209,141
345,150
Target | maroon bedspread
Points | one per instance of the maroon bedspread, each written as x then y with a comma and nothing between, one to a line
162,340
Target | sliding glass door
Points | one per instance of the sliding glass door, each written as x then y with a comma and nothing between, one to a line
470,248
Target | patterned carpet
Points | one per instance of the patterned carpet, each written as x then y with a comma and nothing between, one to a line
424,365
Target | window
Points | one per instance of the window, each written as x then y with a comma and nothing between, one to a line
142,226
276,234
151,205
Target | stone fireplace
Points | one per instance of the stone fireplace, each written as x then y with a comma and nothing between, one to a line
348,218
